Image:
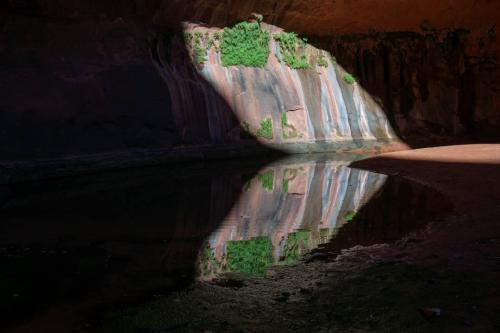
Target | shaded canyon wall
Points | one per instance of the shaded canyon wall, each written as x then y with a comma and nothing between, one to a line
79,86
430,82
85,77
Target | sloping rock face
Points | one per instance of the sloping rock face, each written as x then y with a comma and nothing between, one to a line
303,105
124,86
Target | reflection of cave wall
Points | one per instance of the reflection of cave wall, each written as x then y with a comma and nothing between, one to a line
400,207
106,235
312,196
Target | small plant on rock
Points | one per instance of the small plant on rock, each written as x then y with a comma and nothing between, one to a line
284,124
349,79
322,62
289,42
266,129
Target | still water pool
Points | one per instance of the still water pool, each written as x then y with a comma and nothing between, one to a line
126,237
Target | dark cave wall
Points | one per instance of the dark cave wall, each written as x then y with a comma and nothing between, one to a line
72,86
427,82
79,77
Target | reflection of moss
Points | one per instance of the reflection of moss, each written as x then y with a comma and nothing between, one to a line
288,174
252,256
267,180
208,261
285,185
266,129
349,216
297,244
324,235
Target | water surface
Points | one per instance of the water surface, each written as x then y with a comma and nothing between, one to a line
126,237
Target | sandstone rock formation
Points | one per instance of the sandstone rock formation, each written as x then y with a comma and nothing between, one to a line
81,77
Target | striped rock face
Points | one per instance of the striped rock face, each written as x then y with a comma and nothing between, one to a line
294,207
304,105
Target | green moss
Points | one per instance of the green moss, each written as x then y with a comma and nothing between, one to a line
288,175
349,79
289,44
267,180
252,256
188,38
334,60
324,235
284,124
284,120
200,52
245,44
209,264
285,185
349,216
297,244
266,129
322,62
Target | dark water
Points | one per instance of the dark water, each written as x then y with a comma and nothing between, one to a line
122,238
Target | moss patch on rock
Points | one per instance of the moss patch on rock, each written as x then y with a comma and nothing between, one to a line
245,44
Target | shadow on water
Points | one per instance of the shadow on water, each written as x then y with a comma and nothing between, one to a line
127,237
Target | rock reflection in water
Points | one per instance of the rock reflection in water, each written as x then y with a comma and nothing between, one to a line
126,237
288,209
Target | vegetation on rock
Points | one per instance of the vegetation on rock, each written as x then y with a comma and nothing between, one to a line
349,216
349,79
252,256
266,129
289,47
297,244
322,62
284,124
267,180
245,44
